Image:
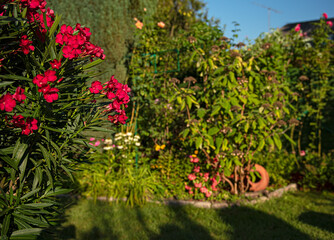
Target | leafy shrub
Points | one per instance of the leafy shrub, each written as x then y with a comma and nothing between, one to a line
317,173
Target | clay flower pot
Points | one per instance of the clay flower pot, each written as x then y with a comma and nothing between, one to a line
264,181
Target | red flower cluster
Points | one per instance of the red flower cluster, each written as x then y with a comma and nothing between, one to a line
117,92
25,44
96,87
27,126
76,43
42,81
200,181
33,15
7,101
34,4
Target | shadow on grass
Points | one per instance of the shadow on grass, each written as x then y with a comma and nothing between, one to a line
155,222
323,221
248,223
181,227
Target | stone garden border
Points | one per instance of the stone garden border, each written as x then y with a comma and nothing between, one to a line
256,197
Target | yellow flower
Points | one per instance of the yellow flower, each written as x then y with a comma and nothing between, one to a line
158,147
196,152
194,155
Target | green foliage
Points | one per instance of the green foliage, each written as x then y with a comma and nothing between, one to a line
114,172
317,173
230,101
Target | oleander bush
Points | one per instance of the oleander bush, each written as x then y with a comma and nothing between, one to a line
45,107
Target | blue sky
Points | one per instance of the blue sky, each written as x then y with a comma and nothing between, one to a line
253,19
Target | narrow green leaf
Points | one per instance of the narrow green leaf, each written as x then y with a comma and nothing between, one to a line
15,77
29,194
92,64
45,154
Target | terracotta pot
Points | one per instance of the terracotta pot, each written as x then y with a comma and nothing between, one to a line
264,181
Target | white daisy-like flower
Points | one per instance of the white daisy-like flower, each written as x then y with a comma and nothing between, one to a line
107,148
137,143
129,133
119,147
108,141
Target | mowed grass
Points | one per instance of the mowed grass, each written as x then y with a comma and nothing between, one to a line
294,216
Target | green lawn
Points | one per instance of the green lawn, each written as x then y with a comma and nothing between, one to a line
294,216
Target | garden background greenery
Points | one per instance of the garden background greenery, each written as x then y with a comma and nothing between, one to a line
201,112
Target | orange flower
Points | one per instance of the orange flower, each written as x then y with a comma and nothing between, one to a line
139,24
161,24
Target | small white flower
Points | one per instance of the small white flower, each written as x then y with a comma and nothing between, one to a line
130,139
119,147
108,141
129,133
107,148
118,138
137,143
137,137
126,140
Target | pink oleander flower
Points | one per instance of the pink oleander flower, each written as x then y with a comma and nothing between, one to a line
19,95
97,143
50,75
198,185
92,139
25,45
40,80
325,15
30,125
18,121
55,64
297,28
188,187
7,103
191,177
329,23
96,87
302,153
51,95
